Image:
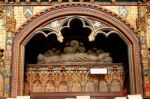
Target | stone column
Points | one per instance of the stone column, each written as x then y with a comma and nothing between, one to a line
143,31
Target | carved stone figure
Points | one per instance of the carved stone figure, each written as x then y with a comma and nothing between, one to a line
105,58
77,57
49,53
74,52
74,45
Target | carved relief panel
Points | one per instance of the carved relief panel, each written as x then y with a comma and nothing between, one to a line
75,80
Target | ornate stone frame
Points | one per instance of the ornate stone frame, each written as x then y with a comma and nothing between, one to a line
84,9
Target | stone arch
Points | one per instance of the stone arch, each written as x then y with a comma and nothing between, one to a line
115,85
103,86
86,9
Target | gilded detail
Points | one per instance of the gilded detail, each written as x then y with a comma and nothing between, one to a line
42,50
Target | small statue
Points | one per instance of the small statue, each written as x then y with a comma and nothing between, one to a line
74,45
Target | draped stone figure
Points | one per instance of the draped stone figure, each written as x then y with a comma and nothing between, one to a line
75,52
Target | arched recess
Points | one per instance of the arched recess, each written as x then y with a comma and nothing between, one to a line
85,9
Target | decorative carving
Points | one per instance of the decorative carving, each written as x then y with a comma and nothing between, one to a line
50,87
54,24
147,73
76,86
70,9
37,86
103,86
93,35
144,14
72,53
28,10
10,23
60,38
9,40
123,11
1,59
63,87
148,8
7,74
97,24
7,88
2,5
89,87
143,39
115,86
141,24
74,80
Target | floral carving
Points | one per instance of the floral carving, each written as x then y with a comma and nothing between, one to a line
141,24
10,24
10,21
148,8
2,5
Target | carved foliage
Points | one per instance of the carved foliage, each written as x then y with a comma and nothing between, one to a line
143,17
141,24
10,24
10,21
2,5
148,8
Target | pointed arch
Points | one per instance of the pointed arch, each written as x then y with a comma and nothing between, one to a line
85,9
